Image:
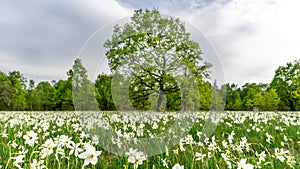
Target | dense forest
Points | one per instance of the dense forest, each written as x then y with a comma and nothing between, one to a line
19,94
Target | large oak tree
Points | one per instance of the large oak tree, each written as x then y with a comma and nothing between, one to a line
159,57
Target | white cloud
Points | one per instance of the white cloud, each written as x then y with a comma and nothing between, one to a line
41,39
38,72
252,37
99,10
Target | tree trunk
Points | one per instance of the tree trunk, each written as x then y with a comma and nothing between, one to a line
159,100
292,105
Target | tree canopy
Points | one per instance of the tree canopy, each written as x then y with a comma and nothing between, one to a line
157,56
286,82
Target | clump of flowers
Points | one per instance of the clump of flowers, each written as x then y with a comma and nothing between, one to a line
135,157
90,155
30,138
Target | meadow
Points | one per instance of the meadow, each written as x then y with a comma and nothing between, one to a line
242,139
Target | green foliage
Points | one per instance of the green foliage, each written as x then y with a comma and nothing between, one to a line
248,94
45,93
205,98
103,92
63,97
251,96
272,100
6,92
233,98
18,83
83,90
286,83
157,55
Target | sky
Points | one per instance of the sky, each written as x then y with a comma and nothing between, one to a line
250,38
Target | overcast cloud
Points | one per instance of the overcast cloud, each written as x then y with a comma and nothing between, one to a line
252,37
42,38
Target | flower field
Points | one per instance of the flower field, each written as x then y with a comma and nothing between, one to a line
74,140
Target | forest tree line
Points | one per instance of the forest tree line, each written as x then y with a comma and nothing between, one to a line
19,94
